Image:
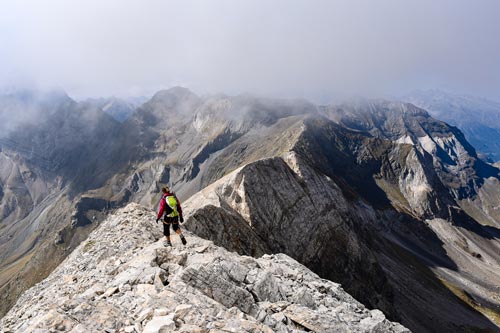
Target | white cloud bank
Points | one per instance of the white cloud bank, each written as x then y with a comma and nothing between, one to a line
312,49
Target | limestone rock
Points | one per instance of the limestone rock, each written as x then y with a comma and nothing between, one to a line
160,324
212,291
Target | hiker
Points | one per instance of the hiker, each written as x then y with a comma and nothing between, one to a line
171,206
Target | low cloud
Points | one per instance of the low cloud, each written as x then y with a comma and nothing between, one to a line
313,49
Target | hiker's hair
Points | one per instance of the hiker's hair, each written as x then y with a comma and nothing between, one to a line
165,189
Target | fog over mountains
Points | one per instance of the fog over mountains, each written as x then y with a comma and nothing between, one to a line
377,195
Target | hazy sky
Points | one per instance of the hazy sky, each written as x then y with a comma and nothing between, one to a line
312,49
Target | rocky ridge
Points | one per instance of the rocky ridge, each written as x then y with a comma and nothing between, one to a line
121,279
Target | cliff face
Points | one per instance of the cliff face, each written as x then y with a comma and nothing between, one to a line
283,204
122,279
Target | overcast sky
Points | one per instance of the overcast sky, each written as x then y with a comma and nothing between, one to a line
312,49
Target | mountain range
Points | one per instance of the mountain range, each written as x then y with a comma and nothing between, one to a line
376,195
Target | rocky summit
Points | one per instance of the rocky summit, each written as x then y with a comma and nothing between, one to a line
122,279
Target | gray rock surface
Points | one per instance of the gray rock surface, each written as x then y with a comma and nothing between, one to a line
105,286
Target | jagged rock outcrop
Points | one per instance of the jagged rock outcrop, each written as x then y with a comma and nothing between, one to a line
121,279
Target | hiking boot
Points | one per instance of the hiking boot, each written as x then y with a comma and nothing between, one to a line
167,243
183,239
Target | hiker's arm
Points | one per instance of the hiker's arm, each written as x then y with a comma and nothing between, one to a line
162,209
179,208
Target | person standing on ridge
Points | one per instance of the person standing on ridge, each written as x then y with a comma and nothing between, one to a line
171,206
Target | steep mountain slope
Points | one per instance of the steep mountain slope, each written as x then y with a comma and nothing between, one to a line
468,182
471,182
454,158
47,161
286,205
121,280
478,118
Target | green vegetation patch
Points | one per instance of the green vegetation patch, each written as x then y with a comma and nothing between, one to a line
491,314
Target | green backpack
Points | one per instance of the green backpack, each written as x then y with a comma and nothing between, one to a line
171,202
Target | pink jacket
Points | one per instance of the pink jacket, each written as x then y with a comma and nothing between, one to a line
163,204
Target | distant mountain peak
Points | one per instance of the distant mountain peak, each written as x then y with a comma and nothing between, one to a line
33,96
477,117
174,92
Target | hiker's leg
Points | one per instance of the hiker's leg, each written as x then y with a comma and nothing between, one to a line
177,229
166,229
